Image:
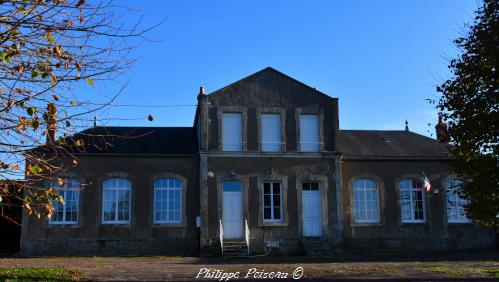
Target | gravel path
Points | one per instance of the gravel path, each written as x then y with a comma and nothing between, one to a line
462,266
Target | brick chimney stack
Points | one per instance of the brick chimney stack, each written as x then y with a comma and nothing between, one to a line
51,124
441,130
51,130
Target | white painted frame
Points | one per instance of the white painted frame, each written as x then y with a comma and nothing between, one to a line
64,221
181,204
423,197
377,190
281,190
464,219
116,221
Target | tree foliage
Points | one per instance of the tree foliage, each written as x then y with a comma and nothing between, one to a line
470,104
50,49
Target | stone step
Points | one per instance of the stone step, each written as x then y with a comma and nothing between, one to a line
235,251
234,243
318,247
235,248
229,253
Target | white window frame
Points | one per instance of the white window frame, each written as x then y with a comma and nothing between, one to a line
168,210
412,200
267,146
364,190
116,200
303,138
230,147
272,206
452,196
64,196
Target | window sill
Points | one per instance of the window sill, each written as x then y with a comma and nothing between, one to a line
62,225
167,225
413,222
366,224
273,224
128,225
459,222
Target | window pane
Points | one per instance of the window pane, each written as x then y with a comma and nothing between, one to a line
232,135
277,213
455,204
276,188
405,205
271,132
266,200
116,202
67,212
266,188
412,200
305,186
168,200
277,200
267,213
272,201
314,186
232,186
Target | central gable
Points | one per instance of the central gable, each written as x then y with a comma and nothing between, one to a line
269,87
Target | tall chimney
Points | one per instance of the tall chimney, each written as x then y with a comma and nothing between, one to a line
51,123
441,130
51,130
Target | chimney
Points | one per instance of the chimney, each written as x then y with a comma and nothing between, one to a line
202,122
51,130
406,125
441,130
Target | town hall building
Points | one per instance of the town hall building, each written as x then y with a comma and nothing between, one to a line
264,167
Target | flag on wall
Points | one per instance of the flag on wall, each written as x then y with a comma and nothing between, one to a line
426,183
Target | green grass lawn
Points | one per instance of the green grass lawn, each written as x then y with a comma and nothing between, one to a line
37,273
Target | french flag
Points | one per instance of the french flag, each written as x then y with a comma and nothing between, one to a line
426,183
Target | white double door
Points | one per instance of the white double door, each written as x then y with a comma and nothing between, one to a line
311,213
232,210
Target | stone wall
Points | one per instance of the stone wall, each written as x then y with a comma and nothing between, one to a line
141,236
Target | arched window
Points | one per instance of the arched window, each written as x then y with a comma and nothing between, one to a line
455,205
116,201
412,201
168,200
365,198
66,213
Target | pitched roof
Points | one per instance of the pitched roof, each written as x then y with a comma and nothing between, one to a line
139,140
271,71
386,144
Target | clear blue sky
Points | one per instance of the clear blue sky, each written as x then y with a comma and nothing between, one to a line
382,59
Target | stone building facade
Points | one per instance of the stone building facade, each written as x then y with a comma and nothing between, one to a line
265,166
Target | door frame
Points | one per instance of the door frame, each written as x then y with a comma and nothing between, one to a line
314,193
227,213
244,192
323,188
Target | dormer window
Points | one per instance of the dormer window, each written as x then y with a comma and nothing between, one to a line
232,133
309,133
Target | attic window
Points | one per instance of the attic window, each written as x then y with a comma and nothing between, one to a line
387,140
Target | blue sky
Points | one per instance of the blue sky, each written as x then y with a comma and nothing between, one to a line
382,59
